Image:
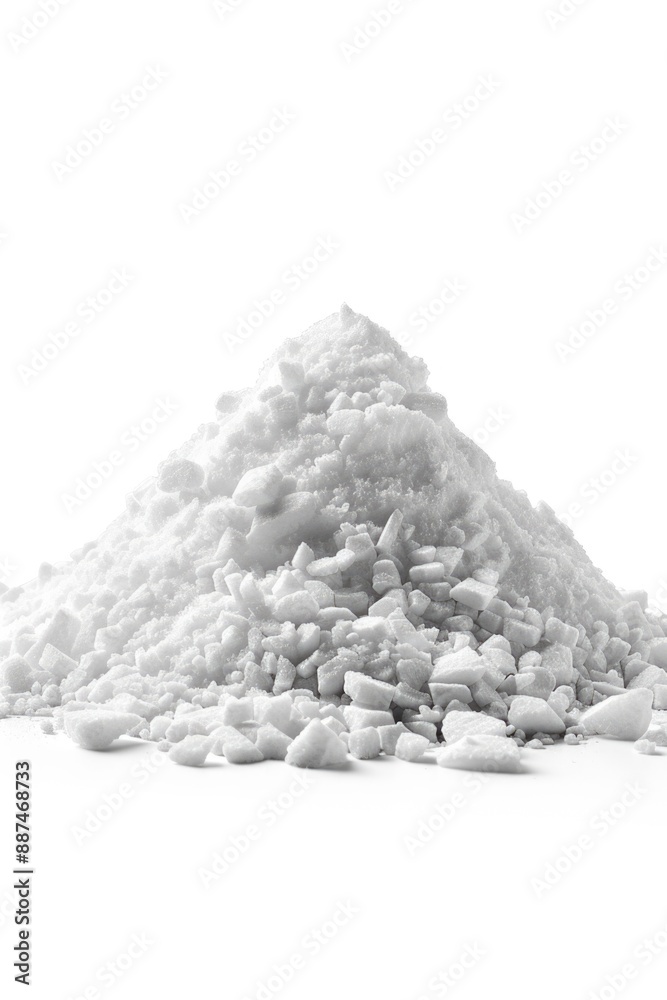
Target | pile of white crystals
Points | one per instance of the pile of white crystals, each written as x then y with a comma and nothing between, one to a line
330,568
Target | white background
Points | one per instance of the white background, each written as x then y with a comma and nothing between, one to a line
494,350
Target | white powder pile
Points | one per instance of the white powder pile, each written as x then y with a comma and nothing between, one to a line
331,567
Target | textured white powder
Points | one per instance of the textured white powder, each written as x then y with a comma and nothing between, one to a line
331,563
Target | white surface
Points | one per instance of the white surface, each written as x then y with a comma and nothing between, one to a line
494,348
343,839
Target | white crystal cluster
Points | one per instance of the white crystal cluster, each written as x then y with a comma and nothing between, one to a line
331,568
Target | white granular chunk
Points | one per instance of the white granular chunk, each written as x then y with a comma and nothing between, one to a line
96,730
258,486
625,716
191,751
364,744
456,725
411,746
316,746
534,715
482,753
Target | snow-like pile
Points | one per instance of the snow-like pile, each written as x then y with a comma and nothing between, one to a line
330,566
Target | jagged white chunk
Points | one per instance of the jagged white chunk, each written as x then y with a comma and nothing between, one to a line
299,608
558,659
368,692
533,715
521,632
449,556
178,474
389,736
462,667
431,572
625,716
16,674
364,744
289,514
96,729
456,725
316,746
649,678
271,743
326,566
657,734
558,631
389,536
258,486
385,576
443,694
303,555
482,753
238,749
192,751
358,717
411,746
475,594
